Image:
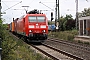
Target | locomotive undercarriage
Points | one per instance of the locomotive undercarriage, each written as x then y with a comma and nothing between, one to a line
38,36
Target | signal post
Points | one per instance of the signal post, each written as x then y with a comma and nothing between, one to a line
51,19
57,15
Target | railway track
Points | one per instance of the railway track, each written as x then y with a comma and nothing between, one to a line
54,53
84,48
64,53
78,50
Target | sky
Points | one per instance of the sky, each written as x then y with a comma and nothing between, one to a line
66,7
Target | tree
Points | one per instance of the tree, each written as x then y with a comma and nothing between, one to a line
68,17
84,13
1,27
62,21
67,23
70,24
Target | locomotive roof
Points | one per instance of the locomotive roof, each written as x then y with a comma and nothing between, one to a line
35,11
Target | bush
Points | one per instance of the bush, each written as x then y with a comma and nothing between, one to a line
65,35
16,49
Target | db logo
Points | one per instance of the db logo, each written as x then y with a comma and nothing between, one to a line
37,26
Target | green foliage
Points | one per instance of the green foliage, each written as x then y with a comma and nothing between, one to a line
84,13
87,43
68,17
70,24
67,23
1,28
16,49
49,22
80,41
65,35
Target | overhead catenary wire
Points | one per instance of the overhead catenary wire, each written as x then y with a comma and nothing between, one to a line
12,6
5,4
46,6
9,1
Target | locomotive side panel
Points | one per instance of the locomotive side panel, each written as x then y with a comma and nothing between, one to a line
15,25
12,27
20,26
8,26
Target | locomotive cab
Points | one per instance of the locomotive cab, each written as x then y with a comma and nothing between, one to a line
37,27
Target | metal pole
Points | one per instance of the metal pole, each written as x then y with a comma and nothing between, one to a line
0,9
26,9
56,10
77,14
58,14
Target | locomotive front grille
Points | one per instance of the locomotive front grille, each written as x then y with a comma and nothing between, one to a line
38,36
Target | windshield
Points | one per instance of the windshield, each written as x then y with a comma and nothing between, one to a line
32,19
41,19
36,19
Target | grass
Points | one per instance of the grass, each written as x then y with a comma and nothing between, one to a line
16,49
87,43
82,42
65,35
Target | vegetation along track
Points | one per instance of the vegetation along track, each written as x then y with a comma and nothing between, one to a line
73,48
54,53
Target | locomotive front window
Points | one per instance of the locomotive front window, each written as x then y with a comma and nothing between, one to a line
41,19
32,19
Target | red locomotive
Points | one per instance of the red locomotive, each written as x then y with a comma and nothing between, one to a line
33,25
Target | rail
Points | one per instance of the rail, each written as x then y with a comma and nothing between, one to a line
65,53
54,58
80,50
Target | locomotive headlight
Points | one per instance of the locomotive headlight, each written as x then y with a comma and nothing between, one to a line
30,30
44,31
